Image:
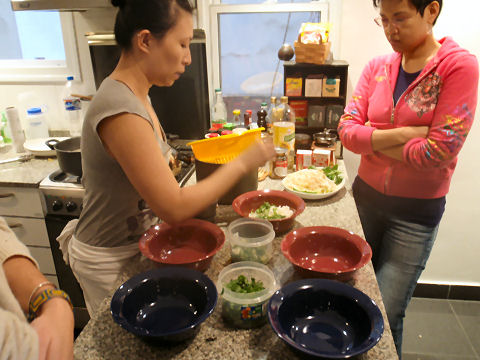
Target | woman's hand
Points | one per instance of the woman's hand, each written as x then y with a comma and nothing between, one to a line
257,155
412,132
54,327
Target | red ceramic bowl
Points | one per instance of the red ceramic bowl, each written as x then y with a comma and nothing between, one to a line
250,201
192,243
326,252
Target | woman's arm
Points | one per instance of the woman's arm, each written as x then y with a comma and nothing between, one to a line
147,170
453,118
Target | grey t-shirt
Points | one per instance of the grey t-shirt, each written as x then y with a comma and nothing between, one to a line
113,212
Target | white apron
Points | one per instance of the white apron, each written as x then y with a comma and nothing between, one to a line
96,268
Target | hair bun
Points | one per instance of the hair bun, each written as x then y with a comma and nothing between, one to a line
119,3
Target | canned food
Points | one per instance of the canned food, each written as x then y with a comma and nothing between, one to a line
280,164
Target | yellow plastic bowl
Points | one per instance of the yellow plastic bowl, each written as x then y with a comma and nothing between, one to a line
225,148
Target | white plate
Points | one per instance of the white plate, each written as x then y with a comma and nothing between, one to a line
38,147
309,196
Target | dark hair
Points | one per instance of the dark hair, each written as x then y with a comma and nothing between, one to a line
420,5
158,16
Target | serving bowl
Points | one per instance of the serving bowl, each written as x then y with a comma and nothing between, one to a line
326,252
245,310
251,240
250,201
166,304
192,243
325,318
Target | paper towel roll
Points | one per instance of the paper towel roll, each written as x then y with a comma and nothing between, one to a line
18,137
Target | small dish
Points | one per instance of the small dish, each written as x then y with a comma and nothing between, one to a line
247,202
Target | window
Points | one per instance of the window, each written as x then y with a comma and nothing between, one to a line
245,36
37,46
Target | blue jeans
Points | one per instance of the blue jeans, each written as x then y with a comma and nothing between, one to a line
400,250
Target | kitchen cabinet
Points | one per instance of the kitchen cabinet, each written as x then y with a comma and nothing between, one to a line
24,211
311,90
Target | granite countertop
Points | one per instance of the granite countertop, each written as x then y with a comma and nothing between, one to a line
102,338
24,174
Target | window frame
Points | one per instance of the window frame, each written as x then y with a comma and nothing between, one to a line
46,71
209,12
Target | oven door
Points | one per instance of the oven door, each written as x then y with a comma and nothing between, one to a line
66,279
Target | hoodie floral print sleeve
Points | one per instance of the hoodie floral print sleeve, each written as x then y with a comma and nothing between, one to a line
443,97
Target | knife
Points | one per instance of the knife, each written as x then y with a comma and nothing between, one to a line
21,158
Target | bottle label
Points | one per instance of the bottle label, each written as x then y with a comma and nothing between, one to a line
72,103
280,168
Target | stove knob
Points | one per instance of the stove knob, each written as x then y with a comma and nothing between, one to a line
71,206
57,205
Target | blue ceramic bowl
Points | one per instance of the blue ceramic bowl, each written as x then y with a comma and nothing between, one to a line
325,318
167,303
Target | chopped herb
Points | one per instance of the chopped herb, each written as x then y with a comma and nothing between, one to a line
333,173
242,285
263,212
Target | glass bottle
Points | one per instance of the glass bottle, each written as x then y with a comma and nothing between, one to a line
262,116
288,115
219,109
236,118
270,110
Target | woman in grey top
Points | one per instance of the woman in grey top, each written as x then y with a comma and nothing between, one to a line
124,153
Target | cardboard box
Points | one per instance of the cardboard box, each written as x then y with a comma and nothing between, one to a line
322,157
334,113
293,86
331,87
304,159
313,86
300,107
316,116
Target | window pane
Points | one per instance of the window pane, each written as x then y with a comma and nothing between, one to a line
30,35
248,62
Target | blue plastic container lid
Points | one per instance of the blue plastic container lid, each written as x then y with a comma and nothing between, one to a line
34,111
69,78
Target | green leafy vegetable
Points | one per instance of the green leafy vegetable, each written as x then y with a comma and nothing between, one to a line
242,285
333,173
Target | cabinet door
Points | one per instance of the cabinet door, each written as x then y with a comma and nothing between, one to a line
29,231
44,258
25,202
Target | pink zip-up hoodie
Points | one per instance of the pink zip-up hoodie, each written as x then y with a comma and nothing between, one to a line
443,97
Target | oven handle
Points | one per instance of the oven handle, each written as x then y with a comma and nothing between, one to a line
7,195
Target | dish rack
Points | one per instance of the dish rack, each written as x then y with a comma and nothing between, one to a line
225,148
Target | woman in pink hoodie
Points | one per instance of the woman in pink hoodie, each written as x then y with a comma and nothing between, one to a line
408,118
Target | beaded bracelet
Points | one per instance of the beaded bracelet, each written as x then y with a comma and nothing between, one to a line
39,286
42,298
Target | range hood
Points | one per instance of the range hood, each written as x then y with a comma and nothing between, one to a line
60,5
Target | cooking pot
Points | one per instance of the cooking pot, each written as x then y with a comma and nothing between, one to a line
325,139
247,183
68,154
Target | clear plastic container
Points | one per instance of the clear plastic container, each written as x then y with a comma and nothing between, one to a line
251,240
37,126
246,310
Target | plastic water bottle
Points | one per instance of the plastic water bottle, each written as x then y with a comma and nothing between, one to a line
37,126
219,109
72,107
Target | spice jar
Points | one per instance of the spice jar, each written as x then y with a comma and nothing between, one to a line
279,164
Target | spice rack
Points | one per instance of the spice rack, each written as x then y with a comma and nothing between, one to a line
337,69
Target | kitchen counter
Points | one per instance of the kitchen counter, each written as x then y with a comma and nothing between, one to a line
102,338
24,174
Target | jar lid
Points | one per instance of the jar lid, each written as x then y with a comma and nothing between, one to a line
236,112
281,150
34,110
